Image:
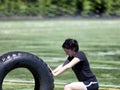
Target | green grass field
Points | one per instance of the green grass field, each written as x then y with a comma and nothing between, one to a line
99,39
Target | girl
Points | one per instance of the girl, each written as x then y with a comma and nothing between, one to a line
78,62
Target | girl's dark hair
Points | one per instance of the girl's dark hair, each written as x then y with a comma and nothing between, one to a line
71,44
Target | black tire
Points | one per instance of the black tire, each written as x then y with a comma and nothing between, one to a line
39,69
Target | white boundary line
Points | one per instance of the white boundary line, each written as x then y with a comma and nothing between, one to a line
57,83
108,68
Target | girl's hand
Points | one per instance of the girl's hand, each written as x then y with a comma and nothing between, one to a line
54,74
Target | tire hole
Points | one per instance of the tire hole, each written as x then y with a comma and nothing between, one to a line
19,79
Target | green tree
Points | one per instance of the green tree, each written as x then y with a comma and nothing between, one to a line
59,8
62,7
98,7
115,7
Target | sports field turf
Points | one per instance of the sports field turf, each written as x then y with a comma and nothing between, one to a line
99,39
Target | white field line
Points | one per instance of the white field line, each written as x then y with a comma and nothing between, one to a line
107,68
101,85
106,53
100,67
22,82
117,52
18,81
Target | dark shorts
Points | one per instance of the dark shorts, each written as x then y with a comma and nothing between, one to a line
91,85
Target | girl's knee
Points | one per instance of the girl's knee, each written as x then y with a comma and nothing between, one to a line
67,87
75,86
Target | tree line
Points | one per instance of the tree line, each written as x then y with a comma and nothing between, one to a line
59,7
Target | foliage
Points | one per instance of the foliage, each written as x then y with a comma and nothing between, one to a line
18,7
59,8
115,7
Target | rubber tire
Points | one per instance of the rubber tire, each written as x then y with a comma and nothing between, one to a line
39,69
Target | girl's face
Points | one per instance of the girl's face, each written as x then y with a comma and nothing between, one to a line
69,52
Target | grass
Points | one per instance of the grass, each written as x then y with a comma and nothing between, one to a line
99,39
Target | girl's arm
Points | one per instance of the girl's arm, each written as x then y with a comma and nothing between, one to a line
58,68
65,67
